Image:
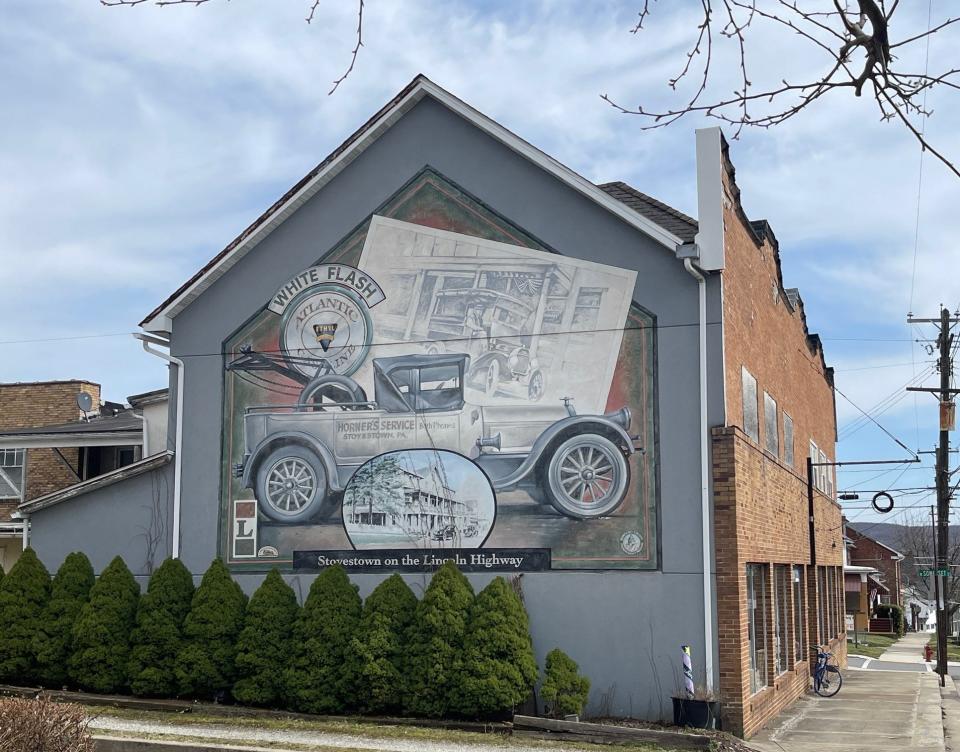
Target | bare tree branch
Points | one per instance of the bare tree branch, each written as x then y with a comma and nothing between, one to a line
314,5
356,47
853,35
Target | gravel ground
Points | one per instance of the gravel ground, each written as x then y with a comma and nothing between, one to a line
225,733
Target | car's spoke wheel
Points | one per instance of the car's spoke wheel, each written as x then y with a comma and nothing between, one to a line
292,485
535,387
587,476
492,379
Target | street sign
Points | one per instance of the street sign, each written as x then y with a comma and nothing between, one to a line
939,572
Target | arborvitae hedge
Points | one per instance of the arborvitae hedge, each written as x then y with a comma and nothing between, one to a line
205,665
322,674
53,642
499,668
23,596
158,636
564,690
266,642
101,634
380,645
435,644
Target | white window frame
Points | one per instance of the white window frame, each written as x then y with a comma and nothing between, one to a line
4,454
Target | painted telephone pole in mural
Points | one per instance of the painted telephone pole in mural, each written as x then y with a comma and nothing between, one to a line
429,400
945,395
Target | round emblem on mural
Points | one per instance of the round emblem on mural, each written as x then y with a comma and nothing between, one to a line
326,324
631,543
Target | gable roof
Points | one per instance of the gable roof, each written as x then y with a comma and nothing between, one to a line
665,216
160,319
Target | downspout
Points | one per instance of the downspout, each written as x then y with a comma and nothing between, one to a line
148,340
704,478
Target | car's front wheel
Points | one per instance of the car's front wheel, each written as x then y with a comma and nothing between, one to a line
292,486
587,477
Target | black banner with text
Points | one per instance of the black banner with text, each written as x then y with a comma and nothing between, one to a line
407,560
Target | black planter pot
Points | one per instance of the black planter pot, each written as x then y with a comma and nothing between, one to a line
704,714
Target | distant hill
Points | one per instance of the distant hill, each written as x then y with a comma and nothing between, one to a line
890,533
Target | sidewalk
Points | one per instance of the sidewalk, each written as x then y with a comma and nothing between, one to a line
908,649
874,710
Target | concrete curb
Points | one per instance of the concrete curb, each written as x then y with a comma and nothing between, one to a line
127,702
123,744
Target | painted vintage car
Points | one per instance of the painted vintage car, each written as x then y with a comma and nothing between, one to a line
298,458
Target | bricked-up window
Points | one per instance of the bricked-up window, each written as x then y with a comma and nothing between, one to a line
788,439
758,633
771,436
751,418
833,626
781,615
11,473
799,626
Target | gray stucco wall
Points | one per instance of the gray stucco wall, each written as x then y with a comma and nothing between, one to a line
112,521
625,628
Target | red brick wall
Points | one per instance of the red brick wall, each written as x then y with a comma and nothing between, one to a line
31,405
761,512
761,517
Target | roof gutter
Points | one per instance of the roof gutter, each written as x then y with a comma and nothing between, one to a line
705,517
148,341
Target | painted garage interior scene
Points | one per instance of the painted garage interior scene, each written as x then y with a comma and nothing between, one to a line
443,344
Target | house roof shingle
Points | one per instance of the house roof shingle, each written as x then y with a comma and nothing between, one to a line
667,217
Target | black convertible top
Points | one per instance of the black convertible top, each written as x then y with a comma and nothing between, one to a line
392,399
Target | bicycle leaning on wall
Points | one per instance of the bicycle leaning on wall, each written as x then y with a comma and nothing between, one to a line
827,679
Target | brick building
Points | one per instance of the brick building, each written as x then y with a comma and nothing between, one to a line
865,551
638,387
47,444
779,553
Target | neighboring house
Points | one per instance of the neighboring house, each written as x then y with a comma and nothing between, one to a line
919,611
856,587
635,390
869,552
48,444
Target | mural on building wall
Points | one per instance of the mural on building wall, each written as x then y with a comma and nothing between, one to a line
440,385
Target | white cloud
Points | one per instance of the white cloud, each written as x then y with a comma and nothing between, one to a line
138,141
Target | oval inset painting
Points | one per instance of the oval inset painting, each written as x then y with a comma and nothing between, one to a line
418,498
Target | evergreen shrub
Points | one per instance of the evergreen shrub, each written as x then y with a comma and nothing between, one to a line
894,613
205,666
101,633
266,642
499,668
323,672
564,690
381,644
23,597
435,643
158,636
53,641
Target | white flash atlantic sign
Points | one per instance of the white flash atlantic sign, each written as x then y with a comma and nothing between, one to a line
328,274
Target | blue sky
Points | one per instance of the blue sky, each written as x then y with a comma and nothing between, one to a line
137,142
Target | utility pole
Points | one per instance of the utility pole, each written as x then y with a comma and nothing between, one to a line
936,584
945,397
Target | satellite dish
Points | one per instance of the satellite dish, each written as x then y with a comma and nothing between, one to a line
84,402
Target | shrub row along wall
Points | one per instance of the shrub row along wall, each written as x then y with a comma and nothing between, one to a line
450,654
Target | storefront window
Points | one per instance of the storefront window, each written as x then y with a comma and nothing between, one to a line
781,612
799,598
757,613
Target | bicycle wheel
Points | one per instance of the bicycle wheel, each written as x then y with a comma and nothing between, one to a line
829,683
